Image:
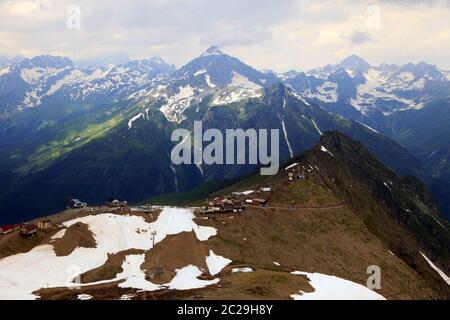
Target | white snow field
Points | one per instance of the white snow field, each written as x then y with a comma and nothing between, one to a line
334,288
185,278
22,274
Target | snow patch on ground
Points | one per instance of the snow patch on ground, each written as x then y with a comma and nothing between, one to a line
242,270
370,128
327,93
292,166
135,118
135,277
178,103
334,288
172,167
127,297
239,80
209,82
59,235
200,72
216,263
323,149
84,297
4,71
287,139
317,128
380,87
187,278
439,271
299,97
235,94
246,193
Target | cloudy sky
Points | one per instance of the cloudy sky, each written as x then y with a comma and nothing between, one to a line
268,34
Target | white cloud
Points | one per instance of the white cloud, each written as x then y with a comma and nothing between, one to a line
281,35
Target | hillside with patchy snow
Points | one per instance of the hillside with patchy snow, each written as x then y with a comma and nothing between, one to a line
120,233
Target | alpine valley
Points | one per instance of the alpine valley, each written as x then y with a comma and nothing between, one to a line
101,131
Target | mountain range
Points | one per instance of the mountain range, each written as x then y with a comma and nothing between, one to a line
97,132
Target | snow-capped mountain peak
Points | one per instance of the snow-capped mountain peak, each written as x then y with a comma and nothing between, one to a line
46,61
355,64
213,74
212,51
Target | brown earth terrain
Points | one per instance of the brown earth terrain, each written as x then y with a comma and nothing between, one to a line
328,241
14,243
76,236
110,269
175,252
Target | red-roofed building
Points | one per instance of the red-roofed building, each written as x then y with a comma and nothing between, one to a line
9,228
28,230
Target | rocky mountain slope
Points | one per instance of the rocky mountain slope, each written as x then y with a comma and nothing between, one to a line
408,103
316,239
116,158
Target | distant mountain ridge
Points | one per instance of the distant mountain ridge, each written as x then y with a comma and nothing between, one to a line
79,129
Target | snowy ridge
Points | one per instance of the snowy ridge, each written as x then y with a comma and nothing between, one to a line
327,92
178,103
234,95
48,76
368,89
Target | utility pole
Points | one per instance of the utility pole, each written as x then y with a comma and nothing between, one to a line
153,238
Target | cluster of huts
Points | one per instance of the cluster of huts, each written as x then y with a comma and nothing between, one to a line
236,202
110,202
296,171
224,205
26,229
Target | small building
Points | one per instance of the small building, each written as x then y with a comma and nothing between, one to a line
257,202
76,204
45,224
9,228
238,206
261,202
115,203
223,204
266,189
28,230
